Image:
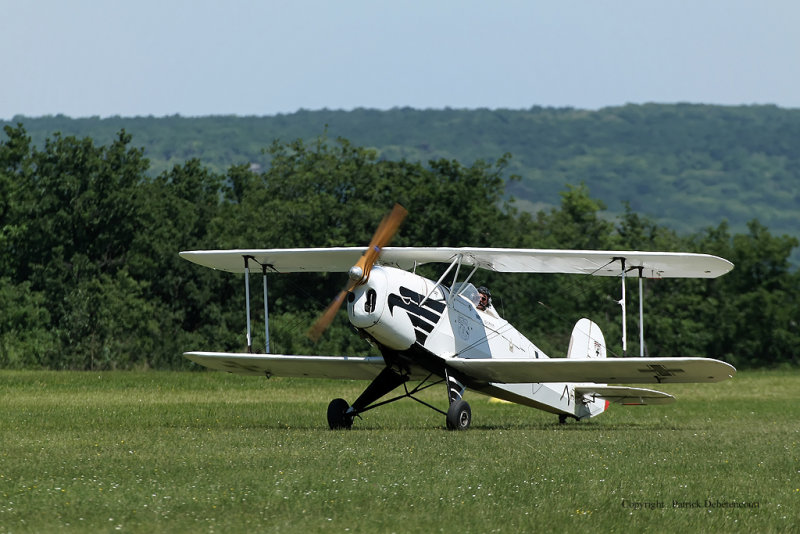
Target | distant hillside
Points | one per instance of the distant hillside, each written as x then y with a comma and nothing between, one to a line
685,166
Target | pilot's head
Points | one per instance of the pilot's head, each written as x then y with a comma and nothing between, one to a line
485,298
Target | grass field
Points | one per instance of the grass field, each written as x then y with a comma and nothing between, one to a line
210,452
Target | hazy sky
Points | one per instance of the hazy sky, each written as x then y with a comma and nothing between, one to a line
161,57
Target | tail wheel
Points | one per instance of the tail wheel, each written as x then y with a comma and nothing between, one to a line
459,415
337,415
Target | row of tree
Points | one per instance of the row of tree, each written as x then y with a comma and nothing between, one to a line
686,166
90,277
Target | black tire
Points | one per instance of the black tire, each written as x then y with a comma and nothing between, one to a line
459,415
337,415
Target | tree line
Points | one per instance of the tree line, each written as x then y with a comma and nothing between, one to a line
90,276
687,166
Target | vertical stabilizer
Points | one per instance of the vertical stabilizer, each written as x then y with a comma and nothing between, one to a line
586,341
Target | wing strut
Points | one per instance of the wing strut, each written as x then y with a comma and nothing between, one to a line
247,301
624,310
456,261
641,316
266,311
624,314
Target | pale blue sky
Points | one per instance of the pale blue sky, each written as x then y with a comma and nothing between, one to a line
147,57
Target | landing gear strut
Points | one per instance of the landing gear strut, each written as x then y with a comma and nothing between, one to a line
341,414
458,415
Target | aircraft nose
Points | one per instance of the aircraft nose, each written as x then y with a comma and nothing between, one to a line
365,304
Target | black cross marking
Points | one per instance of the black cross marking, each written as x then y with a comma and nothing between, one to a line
660,370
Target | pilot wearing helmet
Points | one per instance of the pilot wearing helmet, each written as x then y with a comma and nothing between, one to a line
485,302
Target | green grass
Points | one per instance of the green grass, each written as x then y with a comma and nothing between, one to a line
210,452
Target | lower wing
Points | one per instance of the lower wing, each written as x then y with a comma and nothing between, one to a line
605,371
345,367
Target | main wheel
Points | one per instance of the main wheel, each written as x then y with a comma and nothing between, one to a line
459,415
337,415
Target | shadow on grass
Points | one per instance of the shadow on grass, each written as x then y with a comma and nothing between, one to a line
544,426
573,426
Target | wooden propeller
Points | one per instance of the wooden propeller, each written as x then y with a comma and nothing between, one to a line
359,273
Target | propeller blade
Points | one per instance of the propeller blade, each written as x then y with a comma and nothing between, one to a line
359,273
382,237
325,320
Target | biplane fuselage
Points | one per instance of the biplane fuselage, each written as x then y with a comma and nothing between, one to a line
420,327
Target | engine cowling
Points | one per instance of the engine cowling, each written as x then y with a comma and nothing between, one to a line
371,307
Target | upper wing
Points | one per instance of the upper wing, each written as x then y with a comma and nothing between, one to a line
593,262
624,395
294,366
282,260
605,371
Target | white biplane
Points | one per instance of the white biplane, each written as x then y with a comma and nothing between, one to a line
431,333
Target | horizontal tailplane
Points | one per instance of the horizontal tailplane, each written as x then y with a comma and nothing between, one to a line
623,395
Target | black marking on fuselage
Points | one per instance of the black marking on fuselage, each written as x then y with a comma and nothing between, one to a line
435,305
422,328
424,318
409,300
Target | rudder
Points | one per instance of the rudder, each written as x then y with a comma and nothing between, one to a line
586,341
